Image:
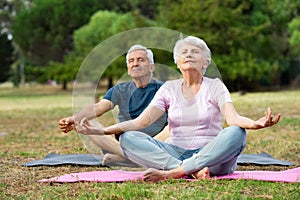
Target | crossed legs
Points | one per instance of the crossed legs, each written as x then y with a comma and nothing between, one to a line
165,161
110,144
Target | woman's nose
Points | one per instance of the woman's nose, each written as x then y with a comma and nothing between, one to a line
188,56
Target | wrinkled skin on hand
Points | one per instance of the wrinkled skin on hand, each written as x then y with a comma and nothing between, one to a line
267,120
87,127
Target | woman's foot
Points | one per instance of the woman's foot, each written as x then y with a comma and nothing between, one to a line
155,175
202,174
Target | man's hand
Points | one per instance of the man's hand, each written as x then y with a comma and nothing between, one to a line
87,127
66,124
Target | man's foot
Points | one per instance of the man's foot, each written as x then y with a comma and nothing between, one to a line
112,158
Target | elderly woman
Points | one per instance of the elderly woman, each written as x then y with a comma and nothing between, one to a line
198,145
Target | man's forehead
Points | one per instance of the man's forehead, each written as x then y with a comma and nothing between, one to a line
137,53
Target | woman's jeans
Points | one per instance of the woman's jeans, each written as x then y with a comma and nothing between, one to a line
219,155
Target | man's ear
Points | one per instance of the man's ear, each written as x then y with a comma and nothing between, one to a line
152,67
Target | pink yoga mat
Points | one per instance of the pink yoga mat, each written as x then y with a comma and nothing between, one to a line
289,176
97,176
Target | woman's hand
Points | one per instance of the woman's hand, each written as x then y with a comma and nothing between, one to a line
87,127
266,121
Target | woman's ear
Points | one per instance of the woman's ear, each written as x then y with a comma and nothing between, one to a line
204,67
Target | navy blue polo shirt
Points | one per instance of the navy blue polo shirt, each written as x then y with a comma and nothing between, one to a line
132,101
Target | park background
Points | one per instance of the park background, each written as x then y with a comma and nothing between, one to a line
255,45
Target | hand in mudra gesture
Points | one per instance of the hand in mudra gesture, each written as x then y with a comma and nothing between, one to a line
87,127
266,121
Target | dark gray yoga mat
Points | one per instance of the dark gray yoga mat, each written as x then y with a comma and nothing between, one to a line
95,160
53,159
261,159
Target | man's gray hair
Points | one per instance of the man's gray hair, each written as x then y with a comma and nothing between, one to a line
140,47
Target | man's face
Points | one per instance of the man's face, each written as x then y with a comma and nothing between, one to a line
138,64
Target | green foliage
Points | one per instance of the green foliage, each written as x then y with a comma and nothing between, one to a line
248,39
218,22
240,68
294,29
65,71
91,34
36,74
49,27
61,72
8,10
103,25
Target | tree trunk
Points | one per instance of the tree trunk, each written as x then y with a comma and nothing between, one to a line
110,83
21,58
64,85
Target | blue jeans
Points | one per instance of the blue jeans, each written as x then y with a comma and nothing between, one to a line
219,155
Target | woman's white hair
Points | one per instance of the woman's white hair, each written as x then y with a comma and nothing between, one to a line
197,42
136,47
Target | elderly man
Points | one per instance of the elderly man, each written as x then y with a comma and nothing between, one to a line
131,97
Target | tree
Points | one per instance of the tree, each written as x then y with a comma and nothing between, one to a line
102,25
248,39
44,31
294,41
8,10
6,51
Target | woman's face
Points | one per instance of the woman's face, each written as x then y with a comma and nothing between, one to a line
190,58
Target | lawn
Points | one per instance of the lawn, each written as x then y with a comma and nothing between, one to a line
29,131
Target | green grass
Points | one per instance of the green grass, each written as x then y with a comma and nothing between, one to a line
29,118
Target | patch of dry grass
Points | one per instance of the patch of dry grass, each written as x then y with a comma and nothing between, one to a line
28,123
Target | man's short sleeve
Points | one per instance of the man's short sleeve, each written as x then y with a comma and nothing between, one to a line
109,96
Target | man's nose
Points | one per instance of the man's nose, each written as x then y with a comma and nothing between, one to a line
135,63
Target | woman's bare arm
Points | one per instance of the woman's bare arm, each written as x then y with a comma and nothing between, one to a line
233,118
147,117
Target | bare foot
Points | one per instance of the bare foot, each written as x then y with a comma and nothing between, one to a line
155,175
111,158
201,174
